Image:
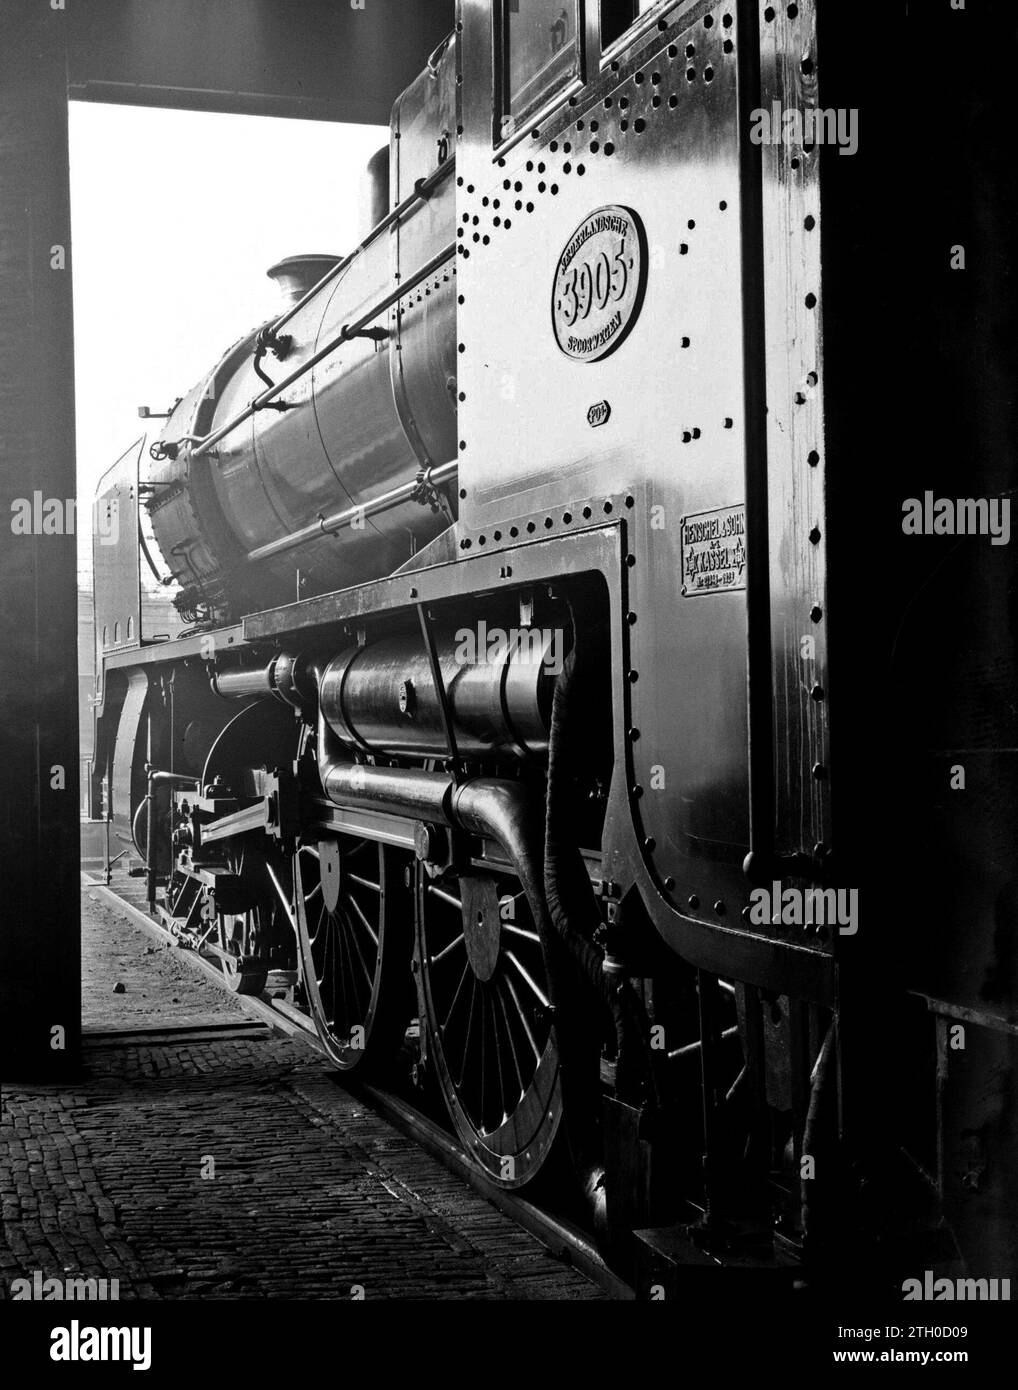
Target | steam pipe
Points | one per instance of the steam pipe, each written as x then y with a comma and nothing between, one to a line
336,521
490,806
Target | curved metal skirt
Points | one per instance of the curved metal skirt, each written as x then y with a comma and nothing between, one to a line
487,1017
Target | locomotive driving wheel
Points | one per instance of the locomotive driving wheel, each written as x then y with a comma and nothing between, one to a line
355,938
486,1006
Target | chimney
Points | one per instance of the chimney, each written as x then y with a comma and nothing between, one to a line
374,191
295,275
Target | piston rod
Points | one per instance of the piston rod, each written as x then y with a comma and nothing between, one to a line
242,683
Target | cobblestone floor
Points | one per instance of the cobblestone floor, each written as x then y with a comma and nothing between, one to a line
233,1167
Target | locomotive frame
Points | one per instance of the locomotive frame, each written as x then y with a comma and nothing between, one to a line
715,1064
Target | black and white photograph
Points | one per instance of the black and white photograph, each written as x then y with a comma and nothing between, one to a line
508,680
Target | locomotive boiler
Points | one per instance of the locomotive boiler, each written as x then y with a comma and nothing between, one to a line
349,397
504,693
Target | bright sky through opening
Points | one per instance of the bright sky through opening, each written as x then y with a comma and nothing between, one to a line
176,216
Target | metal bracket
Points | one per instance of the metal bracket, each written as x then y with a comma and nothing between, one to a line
440,690
377,335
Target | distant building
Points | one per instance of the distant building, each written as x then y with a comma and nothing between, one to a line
159,620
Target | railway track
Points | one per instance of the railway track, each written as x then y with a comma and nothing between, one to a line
560,1237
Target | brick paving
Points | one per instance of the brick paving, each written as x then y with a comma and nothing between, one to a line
233,1167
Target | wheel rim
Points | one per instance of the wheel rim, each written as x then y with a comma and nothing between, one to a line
355,942
486,1006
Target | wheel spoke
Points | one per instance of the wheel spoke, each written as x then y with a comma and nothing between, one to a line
433,960
283,897
535,988
509,1034
444,896
456,997
351,901
469,1032
364,882
490,1001
341,973
368,974
523,1018
323,935
519,931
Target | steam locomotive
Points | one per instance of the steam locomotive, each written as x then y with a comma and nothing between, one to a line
502,701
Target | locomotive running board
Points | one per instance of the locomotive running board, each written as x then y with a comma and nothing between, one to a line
594,550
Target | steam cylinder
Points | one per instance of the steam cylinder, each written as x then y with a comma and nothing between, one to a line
382,697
